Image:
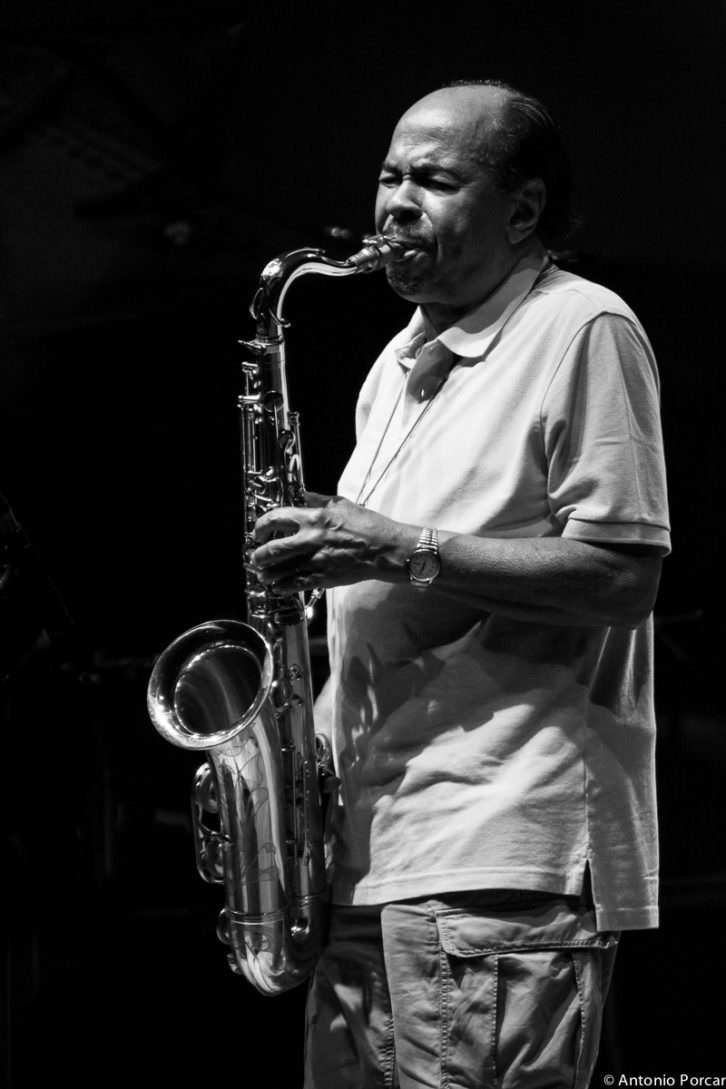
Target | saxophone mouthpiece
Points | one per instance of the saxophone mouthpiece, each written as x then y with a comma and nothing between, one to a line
377,252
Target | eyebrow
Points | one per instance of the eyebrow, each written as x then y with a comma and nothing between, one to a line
425,166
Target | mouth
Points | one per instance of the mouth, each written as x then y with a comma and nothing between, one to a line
408,248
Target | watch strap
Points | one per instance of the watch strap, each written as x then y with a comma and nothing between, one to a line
428,541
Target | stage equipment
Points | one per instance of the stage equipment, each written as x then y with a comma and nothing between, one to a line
243,691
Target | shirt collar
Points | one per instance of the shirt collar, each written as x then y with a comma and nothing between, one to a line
471,335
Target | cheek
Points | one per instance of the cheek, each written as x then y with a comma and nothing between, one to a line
468,235
454,237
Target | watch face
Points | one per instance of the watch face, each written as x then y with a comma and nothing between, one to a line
424,565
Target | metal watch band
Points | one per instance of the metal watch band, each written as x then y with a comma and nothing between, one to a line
429,538
428,543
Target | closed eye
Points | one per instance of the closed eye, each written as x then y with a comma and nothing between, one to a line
442,183
423,176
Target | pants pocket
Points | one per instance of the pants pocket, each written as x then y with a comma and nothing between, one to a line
521,1007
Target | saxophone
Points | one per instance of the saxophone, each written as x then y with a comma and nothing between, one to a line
242,692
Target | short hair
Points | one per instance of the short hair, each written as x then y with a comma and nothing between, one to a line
526,143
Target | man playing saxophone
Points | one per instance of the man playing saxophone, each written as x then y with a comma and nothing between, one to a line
491,561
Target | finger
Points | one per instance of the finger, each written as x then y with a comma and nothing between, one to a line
297,583
282,521
282,555
303,550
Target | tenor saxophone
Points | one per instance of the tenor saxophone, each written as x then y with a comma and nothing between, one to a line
243,693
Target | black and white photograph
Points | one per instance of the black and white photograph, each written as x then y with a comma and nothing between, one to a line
361,524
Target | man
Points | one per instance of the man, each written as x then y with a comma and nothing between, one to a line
492,558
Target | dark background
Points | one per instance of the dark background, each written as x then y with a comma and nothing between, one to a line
150,165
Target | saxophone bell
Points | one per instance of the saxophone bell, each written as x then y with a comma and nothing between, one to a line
211,689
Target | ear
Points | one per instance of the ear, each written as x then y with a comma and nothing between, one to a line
528,201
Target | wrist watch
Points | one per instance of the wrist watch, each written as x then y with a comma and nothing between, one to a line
424,563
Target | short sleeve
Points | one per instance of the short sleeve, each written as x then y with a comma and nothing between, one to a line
603,439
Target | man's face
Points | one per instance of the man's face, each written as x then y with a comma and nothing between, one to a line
435,196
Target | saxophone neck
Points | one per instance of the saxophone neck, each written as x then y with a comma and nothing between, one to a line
279,273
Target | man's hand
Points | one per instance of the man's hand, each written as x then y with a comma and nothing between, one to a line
550,580
329,542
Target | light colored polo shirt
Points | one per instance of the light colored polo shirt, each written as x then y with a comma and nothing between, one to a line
476,751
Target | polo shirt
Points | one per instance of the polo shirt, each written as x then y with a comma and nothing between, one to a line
476,751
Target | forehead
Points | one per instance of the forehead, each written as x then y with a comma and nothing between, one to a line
451,128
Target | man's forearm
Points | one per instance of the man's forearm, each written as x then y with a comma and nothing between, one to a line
542,579
549,580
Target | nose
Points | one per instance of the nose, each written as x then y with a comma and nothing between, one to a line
401,202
